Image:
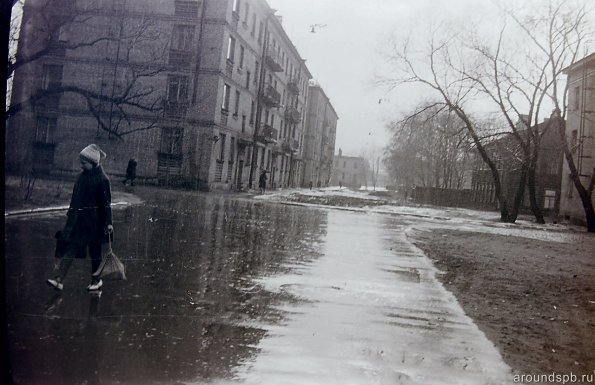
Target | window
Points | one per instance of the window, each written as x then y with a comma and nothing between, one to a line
573,140
243,123
577,98
247,11
256,71
248,79
51,76
242,52
253,25
177,88
260,32
226,92
236,109
181,38
252,111
45,129
550,199
222,148
171,140
186,8
231,48
232,143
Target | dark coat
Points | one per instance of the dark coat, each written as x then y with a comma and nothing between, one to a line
131,169
89,213
262,181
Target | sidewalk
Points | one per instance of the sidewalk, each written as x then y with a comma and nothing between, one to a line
53,195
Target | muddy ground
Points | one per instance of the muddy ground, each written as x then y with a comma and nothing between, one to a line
533,299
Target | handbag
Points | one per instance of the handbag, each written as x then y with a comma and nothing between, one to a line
110,265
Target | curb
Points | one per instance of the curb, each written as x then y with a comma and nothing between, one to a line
43,210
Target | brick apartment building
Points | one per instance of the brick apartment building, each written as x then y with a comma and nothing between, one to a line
319,138
191,88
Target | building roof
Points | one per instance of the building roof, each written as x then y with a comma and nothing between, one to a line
588,61
314,85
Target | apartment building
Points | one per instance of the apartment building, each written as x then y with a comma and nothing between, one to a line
349,171
203,93
580,132
319,138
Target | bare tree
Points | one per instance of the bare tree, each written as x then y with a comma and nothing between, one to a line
520,78
429,148
559,37
134,48
441,67
519,74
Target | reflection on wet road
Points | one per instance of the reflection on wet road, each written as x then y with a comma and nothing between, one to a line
373,314
225,290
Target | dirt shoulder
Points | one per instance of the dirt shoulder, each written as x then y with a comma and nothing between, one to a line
533,299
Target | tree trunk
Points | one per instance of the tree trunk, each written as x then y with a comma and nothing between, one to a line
504,213
519,195
583,193
589,217
532,186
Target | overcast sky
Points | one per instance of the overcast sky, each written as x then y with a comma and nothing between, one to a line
344,55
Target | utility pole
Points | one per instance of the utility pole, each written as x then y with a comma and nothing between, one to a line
257,123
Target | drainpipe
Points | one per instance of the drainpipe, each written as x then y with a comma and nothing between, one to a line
259,97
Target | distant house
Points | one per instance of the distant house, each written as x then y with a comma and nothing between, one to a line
506,154
349,171
580,130
319,138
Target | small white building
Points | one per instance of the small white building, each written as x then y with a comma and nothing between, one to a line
349,171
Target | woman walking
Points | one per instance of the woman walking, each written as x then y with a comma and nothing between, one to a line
89,222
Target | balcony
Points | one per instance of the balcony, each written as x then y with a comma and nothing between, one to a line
286,147
293,87
290,145
271,97
175,107
268,134
273,64
292,115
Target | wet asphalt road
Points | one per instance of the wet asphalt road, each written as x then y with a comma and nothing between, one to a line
228,290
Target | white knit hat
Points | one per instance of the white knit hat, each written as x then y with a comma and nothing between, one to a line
93,153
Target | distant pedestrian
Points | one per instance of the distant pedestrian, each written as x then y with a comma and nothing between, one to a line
310,184
262,182
131,171
89,222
